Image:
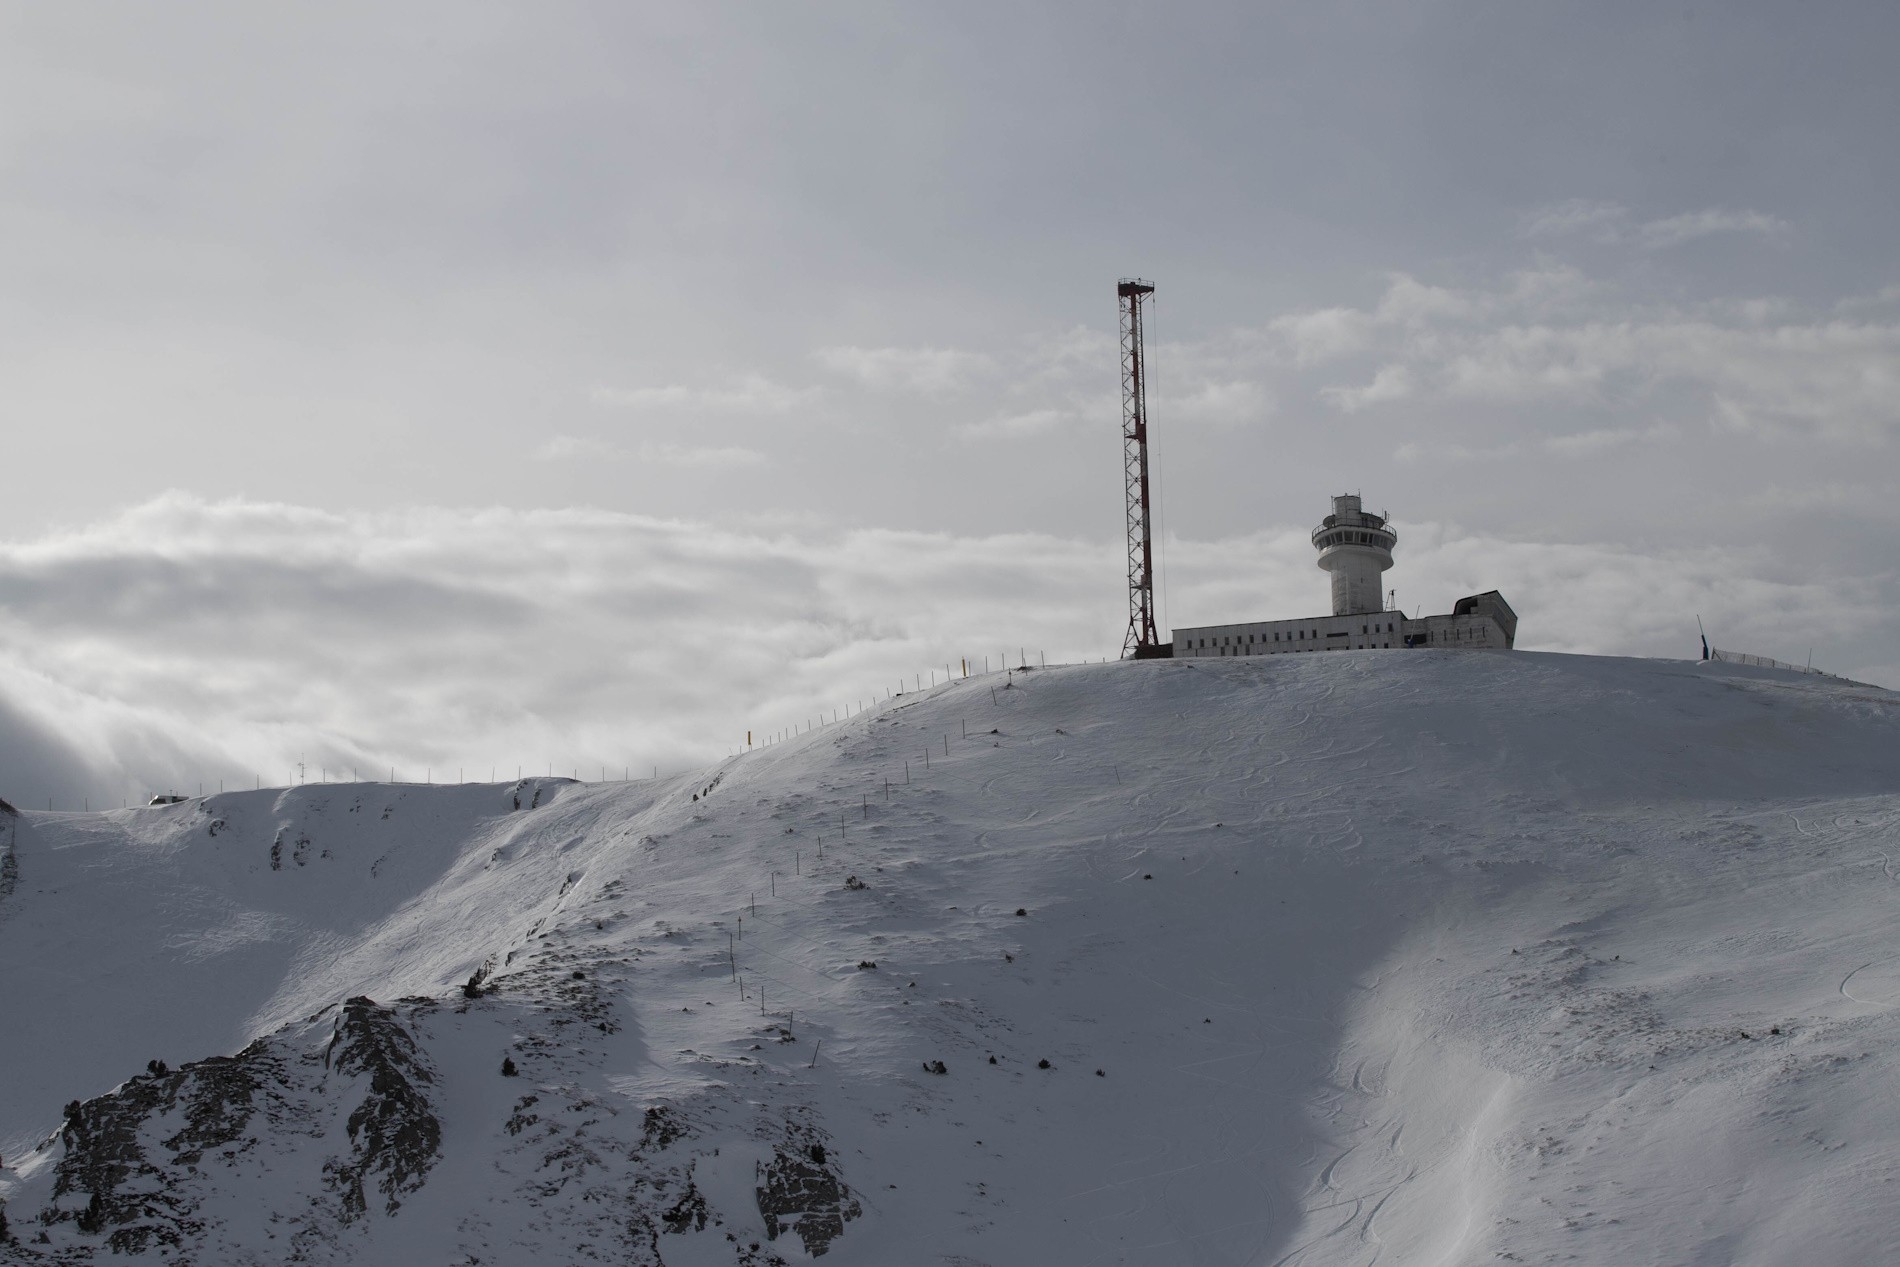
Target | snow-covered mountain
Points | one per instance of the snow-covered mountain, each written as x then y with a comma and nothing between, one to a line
1425,957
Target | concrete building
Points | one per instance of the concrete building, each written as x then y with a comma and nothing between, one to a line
1355,546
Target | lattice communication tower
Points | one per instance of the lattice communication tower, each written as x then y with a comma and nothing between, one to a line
1142,641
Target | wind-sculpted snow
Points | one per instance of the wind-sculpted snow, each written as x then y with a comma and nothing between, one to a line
1433,957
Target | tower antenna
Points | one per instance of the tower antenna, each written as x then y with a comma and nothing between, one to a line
1141,642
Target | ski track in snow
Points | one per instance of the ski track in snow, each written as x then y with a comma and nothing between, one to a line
1421,958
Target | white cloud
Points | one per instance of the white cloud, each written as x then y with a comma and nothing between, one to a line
1757,365
689,455
1601,220
186,640
1410,302
1029,423
1324,335
1886,296
561,448
1675,230
1606,439
1524,363
922,370
1230,403
1609,222
749,394
1087,348
1412,452
1391,382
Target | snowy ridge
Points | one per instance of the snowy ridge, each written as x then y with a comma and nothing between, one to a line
1434,957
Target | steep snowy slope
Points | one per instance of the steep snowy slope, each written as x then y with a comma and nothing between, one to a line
1424,957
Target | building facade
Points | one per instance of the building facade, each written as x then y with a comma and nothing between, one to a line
1355,547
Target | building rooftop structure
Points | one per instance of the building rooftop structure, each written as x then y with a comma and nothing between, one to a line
1355,548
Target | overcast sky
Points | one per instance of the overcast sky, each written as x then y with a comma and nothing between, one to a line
466,386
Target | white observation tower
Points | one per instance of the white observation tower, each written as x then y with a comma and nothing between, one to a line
1356,547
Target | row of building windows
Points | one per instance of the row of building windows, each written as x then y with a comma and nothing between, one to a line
1461,634
1302,635
1265,649
1355,538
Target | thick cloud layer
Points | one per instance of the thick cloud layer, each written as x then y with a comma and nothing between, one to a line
186,642
817,308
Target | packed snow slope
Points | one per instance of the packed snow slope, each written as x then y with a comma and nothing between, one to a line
1422,957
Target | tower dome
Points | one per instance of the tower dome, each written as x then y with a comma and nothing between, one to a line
1356,547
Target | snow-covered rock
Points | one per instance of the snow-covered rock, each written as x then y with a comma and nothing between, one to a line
1423,957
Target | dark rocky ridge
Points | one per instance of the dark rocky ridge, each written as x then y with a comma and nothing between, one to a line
394,1134
150,1169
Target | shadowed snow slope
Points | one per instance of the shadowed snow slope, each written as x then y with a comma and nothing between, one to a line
1417,958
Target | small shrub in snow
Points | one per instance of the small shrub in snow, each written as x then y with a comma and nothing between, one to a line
1043,1064
867,965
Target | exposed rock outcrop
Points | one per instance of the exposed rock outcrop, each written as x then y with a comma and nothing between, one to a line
800,1191
394,1134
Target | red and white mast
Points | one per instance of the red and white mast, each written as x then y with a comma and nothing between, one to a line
1142,641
